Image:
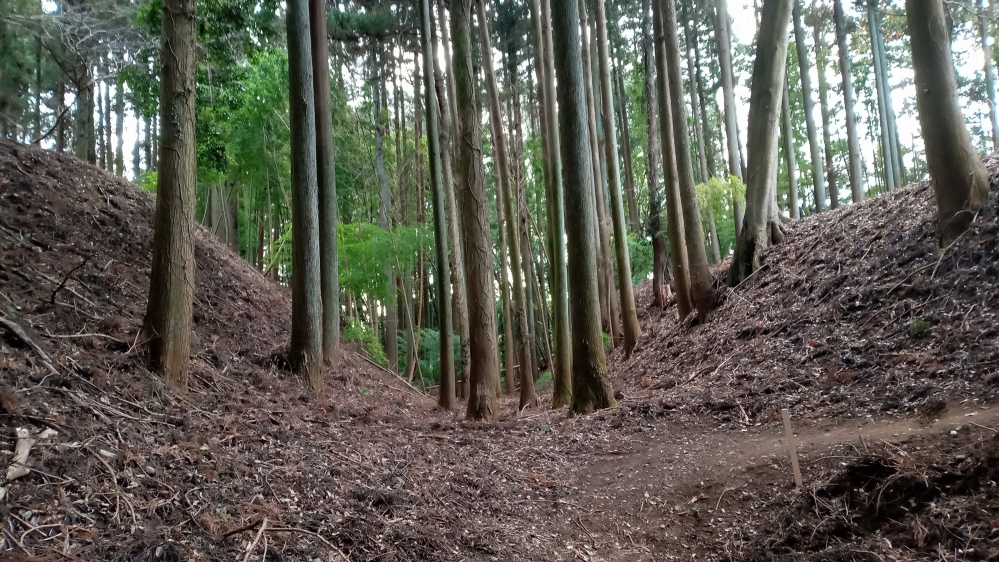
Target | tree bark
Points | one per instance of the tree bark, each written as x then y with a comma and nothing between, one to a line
459,301
629,314
660,271
119,131
695,103
887,156
804,69
984,15
482,402
693,230
789,154
446,395
384,216
675,219
959,178
518,273
849,101
561,336
762,223
326,175
820,67
634,223
306,354
605,288
167,325
591,389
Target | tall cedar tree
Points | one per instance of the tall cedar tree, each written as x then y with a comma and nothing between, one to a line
448,132
517,273
384,211
629,313
561,333
446,395
167,325
306,354
790,155
849,101
820,67
959,178
476,236
660,269
986,14
591,388
326,175
724,41
762,223
808,105
674,223
693,231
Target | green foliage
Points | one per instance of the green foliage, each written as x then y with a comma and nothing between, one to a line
640,252
919,327
361,332
366,251
717,195
147,181
544,379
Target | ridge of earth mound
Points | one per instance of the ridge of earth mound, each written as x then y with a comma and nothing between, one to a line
857,313
367,471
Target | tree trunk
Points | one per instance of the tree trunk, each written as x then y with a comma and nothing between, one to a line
509,339
722,37
167,325
459,302
482,403
446,396
693,230
695,102
762,224
789,154
660,271
306,354
591,389
715,249
518,273
984,15
852,140
959,178
102,110
119,129
629,314
887,155
820,64
84,138
634,223
326,175
808,103
391,338
675,219
603,237
562,370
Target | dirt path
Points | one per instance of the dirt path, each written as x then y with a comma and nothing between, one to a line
671,493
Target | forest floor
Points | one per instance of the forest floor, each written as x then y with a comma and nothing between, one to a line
883,348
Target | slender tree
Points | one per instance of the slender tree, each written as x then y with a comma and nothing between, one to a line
789,154
446,397
693,230
882,94
482,403
724,40
384,212
762,224
629,313
849,101
820,67
167,325
306,354
561,336
660,270
985,14
517,273
591,388
326,175
808,106
959,178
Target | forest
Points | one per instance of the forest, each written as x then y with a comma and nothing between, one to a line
498,280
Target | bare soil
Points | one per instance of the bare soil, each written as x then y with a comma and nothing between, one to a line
883,347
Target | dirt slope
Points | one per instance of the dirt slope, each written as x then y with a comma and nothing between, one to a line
692,465
139,473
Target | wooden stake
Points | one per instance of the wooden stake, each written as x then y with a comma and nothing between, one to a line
792,448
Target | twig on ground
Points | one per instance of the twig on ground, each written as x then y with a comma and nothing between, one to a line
310,533
260,533
19,332
66,279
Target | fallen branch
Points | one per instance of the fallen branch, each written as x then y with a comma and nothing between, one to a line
252,525
260,533
66,279
19,466
409,390
19,332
